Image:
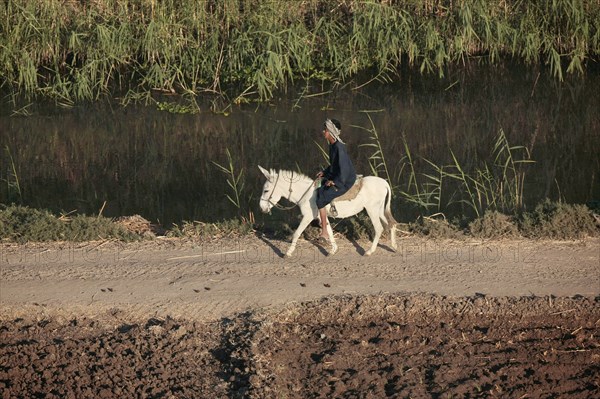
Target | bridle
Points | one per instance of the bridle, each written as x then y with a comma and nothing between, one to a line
287,208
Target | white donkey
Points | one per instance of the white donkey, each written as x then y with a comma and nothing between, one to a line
300,190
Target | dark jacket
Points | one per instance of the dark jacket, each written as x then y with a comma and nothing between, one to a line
340,169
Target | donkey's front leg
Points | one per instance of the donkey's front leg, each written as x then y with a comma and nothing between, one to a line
306,219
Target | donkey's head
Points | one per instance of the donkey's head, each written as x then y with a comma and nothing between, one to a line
271,193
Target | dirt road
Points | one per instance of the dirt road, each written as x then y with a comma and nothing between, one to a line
209,280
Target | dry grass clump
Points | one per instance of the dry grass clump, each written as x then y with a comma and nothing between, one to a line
435,228
89,228
493,224
355,228
19,223
559,221
549,220
226,228
140,226
22,224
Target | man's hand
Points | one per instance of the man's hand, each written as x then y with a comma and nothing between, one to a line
329,183
320,174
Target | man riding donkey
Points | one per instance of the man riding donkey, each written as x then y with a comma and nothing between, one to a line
338,177
373,194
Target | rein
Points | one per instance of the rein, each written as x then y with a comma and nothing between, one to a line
287,208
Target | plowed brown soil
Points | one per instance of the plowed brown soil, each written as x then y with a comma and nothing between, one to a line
507,319
415,346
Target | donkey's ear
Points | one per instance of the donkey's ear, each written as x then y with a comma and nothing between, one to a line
265,172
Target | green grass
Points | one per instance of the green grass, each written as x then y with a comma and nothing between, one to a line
73,51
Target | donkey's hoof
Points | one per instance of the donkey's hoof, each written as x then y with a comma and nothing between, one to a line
369,253
321,240
333,250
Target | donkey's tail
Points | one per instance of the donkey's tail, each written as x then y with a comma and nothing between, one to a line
388,206
391,222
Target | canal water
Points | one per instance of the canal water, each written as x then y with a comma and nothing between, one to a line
141,160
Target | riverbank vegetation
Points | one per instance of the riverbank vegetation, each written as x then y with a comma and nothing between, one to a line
74,51
549,220
481,199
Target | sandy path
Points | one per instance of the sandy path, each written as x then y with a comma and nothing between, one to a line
212,280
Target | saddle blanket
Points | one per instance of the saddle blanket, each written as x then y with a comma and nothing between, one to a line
353,192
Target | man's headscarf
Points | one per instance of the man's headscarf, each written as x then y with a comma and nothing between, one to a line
332,128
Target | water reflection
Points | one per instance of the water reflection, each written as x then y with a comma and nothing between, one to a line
143,161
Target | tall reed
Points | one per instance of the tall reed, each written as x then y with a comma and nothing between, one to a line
235,181
377,161
498,185
82,51
13,185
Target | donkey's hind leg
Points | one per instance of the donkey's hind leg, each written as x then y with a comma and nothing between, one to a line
393,230
374,215
388,221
